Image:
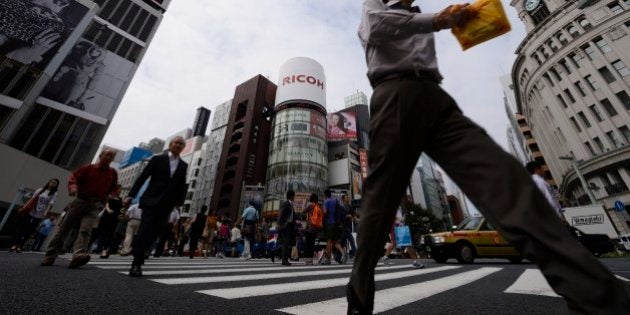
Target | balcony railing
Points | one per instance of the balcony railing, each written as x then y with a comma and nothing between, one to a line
616,188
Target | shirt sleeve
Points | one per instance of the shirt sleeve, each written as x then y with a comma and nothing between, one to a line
380,25
74,178
542,186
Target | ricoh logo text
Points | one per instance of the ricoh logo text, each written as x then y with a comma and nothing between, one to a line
302,78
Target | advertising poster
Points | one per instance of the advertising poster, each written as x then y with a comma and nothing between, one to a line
363,162
342,126
31,31
90,79
253,194
357,185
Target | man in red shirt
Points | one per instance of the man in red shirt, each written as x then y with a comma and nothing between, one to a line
90,185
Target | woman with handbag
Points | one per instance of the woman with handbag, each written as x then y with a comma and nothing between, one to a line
32,213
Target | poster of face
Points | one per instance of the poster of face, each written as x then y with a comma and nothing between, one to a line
357,185
342,126
31,31
90,79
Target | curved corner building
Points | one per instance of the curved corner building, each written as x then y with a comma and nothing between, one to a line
298,152
572,83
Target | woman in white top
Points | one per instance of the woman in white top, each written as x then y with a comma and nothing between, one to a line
43,200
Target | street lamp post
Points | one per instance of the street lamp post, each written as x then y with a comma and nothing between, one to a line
580,176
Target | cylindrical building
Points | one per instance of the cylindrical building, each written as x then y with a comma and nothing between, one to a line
572,84
298,153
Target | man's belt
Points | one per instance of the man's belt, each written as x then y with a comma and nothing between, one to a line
408,75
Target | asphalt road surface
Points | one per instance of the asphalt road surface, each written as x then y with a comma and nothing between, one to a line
233,286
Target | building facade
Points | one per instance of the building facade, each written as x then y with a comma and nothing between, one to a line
358,98
572,86
244,154
298,153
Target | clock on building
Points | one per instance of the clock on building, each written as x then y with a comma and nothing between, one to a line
530,5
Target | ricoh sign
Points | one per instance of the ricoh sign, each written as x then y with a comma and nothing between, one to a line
301,79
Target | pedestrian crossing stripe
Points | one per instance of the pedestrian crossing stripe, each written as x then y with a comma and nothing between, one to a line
270,289
266,276
622,278
388,299
235,269
532,281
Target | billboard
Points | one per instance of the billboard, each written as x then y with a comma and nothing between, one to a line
253,194
134,155
31,31
338,172
90,80
342,126
301,79
591,219
357,185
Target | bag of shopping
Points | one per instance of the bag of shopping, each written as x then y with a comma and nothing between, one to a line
403,236
29,206
489,21
294,253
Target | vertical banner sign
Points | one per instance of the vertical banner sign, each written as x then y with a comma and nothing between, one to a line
363,162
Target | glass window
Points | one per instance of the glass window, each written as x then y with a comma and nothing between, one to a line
610,109
535,57
602,44
625,132
599,144
596,113
544,52
546,76
580,88
624,99
613,139
607,75
555,74
148,27
137,24
591,82
615,7
584,23
590,148
26,130
584,119
561,100
58,136
575,124
554,47
562,38
569,95
589,50
576,58
120,12
565,66
621,68
41,134
573,31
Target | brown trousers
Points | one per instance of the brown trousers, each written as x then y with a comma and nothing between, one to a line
411,116
83,214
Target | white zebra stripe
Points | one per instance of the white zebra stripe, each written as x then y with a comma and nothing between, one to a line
395,297
533,282
261,290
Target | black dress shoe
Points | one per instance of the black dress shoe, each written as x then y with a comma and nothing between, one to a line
355,307
136,271
286,263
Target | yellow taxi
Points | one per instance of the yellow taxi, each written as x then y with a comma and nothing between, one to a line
474,237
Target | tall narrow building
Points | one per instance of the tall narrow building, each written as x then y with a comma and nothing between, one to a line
298,154
245,146
57,100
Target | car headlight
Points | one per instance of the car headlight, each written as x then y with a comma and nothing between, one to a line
438,239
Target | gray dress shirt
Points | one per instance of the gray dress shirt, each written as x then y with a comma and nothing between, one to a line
397,41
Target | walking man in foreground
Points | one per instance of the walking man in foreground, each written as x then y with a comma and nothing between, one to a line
286,225
166,190
411,114
90,184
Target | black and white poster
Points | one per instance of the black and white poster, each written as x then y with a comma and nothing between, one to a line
90,79
31,31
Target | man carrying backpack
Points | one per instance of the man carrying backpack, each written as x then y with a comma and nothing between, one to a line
333,217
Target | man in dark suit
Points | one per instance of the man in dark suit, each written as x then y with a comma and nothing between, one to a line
166,190
286,225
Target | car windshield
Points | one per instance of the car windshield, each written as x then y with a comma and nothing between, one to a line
469,224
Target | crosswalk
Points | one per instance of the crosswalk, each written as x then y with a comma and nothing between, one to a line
237,279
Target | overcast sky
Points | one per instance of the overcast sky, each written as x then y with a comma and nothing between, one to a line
204,49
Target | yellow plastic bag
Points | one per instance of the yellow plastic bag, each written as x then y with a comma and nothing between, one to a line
489,22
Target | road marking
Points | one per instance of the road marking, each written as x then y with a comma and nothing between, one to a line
112,263
533,282
209,271
622,278
395,297
152,267
194,280
261,290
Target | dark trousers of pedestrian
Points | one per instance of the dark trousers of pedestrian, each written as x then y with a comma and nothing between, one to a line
106,236
288,241
152,224
26,226
183,240
411,116
82,214
194,242
38,242
347,240
166,236
309,244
